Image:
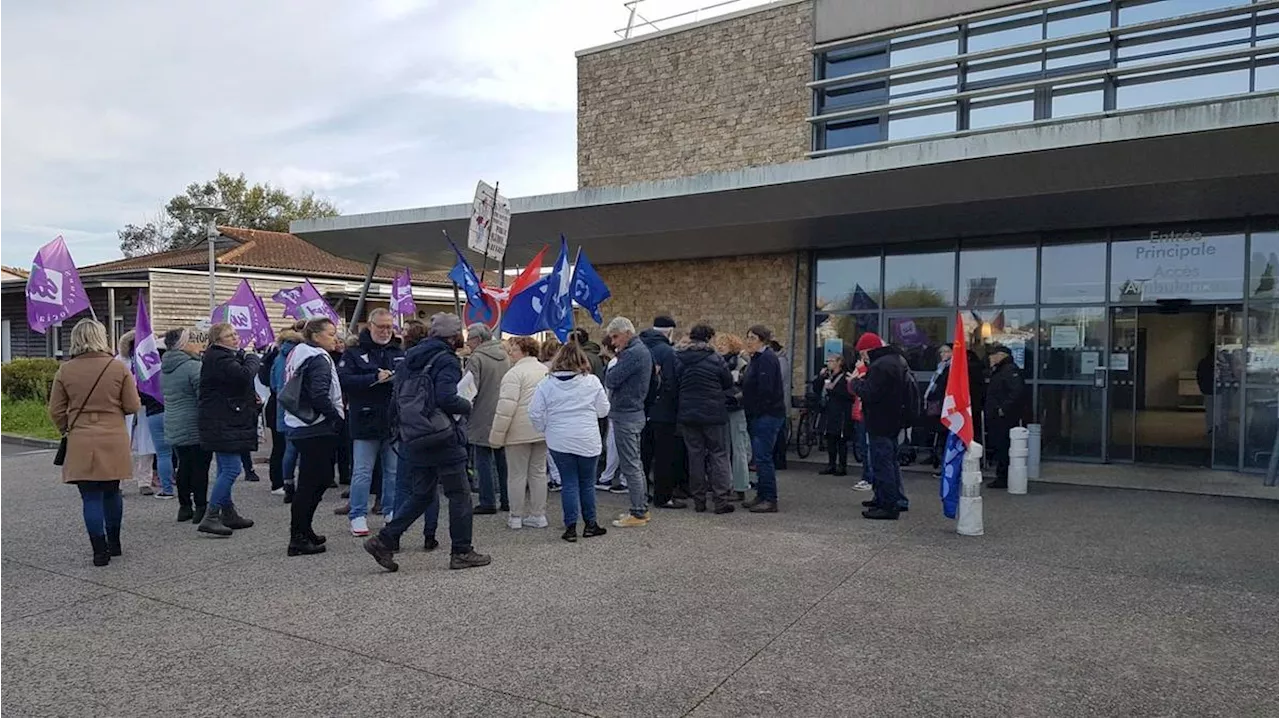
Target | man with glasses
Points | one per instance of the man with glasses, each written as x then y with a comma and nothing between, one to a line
365,372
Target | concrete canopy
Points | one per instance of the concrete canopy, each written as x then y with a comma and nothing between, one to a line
1208,160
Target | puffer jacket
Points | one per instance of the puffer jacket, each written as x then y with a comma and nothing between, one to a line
180,384
446,372
511,423
228,402
701,380
488,364
661,404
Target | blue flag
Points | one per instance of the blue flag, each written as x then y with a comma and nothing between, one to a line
524,313
589,290
952,466
557,309
465,277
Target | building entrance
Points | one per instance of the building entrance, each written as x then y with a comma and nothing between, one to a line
1174,387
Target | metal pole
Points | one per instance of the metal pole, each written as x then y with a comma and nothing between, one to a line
457,301
210,232
364,292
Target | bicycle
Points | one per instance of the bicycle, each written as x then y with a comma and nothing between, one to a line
806,432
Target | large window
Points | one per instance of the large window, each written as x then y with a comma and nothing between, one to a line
919,281
1066,59
1177,264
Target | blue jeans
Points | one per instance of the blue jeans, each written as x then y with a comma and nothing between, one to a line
164,453
419,488
578,479
365,453
290,461
886,472
491,468
103,506
764,433
626,433
229,466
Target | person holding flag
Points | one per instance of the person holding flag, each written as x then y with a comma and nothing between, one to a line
957,417
146,372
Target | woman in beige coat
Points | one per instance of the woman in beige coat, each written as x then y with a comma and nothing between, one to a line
91,396
525,448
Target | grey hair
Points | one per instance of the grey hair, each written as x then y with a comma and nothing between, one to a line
379,312
620,325
480,331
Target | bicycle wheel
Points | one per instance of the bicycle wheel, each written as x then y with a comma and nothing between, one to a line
804,436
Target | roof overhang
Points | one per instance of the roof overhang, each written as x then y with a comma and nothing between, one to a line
1180,163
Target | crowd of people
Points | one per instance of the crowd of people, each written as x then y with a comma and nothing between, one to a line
406,414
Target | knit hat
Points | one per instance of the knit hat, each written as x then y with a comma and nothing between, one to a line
445,325
868,341
662,321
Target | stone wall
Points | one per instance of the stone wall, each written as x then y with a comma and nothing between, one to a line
722,96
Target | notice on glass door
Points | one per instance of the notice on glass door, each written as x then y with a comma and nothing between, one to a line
1064,337
1088,362
1120,362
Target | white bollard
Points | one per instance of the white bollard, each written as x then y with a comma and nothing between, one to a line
1018,451
1033,451
969,513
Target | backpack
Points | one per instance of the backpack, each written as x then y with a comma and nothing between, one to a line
912,403
415,418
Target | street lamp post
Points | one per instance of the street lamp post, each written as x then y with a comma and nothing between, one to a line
211,214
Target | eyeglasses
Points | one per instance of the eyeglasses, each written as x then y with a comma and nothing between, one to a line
384,327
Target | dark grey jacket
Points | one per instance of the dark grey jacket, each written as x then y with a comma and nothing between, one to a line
628,380
180,384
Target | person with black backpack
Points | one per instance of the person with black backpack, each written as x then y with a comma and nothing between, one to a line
890,401
433,445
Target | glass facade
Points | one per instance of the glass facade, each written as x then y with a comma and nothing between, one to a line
1149,344
1061,59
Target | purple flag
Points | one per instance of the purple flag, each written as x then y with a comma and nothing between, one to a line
313,305
402,294
54,291
290,298
246,313
146,353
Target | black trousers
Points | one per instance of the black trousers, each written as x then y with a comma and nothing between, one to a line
344,455
316,457
998,445
669,461
193,474
838,452
276,465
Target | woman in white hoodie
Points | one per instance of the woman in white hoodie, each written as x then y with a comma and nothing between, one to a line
567,408
526,451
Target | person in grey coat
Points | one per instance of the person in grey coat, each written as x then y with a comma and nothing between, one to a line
628,385
180,385
487,364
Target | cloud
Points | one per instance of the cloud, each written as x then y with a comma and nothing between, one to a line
110,109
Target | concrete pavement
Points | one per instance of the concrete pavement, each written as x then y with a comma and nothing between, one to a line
1078,601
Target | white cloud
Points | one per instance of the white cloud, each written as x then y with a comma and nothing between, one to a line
109,109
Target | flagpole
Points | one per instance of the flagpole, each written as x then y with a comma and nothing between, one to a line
493,208
573,315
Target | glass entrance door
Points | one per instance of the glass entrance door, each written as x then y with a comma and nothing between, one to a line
1222,408
1122,384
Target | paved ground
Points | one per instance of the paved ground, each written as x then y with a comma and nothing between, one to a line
1078,601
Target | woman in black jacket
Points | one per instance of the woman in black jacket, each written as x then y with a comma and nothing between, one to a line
315,428
702,380
837,414
228,421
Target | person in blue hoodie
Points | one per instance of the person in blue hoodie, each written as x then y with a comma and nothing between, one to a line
288,339
366,372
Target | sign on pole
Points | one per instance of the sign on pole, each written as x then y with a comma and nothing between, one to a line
490,222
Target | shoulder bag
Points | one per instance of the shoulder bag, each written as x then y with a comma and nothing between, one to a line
60,457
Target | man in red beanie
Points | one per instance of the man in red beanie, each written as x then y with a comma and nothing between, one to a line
883,391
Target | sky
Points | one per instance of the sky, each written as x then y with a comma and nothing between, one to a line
111,108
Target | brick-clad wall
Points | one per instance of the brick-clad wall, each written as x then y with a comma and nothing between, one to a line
717,97
731,293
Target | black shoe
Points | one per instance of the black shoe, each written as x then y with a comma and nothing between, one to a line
288,493
252,476
504,508
829,471
570,533
485,510
764,507
725,509
430,544
878,514
673,504
869,503
470,559
101,555
198,515
903,508
185,513
334,484
346,494
680,493
381,554
342,510
377,507
841,472
749,504
741,495
302,545
233,520
700,506
317,539
998,484
593,529
113,542
212,523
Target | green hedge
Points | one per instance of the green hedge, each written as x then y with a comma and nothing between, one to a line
28,378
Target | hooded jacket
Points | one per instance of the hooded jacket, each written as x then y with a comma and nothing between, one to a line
288,340
320,391
368,401
1005,392
566,408
488,364
702,381
446,372
882,391
662,405
511,424
228,402
180,384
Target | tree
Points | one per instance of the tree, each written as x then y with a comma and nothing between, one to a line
257,206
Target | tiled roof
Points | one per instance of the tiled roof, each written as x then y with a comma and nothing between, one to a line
15,271
260,249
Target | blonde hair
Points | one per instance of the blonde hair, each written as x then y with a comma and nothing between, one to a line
88,335
219,330
571,358
550,347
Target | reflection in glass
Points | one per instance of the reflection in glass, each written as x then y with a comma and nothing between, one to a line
901,128
845,327
1261,361
854,60
1222,408
1004,32
907,52
1261,411
1263,264
1265,76
1077,103
990,277
919,338
849,134
982,116
914,281
1073,341
1071,421
1169,87
1069,20
1073,272
847,283
1131,13
1014,328
1178,265
1212,37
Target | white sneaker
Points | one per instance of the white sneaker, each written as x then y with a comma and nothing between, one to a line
359,527
278,492
514,522
535,522
862,486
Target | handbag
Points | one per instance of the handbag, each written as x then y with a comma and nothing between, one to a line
61,457
292,399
